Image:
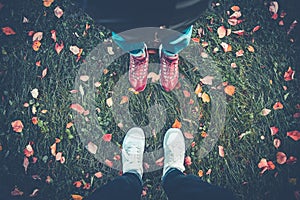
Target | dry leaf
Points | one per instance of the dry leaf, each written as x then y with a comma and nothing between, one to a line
76,197
221,31
92,148
8,31
44,72
276,143
154,77
221,151
250,49
58,12
229,90
59,47
109,102
235,8
265,111
176,124
205,97
75,50
84,78
77,107
25,164
37,36
124,99
188,135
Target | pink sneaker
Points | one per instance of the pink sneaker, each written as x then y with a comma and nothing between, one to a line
138,71
169,71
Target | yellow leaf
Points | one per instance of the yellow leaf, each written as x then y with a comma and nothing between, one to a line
198,89
76,197
251,48
205,98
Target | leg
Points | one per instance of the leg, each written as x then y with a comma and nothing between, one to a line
129,44
129,185
179,186
171,46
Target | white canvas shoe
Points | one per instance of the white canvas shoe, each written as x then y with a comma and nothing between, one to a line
133,150
174,150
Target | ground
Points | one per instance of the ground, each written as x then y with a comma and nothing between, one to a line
45,44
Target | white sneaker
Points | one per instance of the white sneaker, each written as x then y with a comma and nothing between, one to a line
133,150
174,150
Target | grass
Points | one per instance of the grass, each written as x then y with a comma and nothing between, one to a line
258,81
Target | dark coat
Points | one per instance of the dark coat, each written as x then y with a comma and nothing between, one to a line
121,15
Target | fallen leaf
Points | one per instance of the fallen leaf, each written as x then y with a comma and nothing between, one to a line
274,130
44,73
84,78
8,31
176,124
69,125
197,40
221,151
186,93
281,158
59,47
188,161
77,184
34,193
36,45
207,80
229,90
98,174
76,197
205,97
53,35
233,65
221,31
34,120
58,156
273,8
265,111
124,99
107,137
58,12
239,53
160,162
47,3
250,49
75,49
17,126
289,74
256,28
92,148
277,106
198,89
16,192
78,108
200,173
110,51
226,47
276,143
292,26
25,164
153,76
37,36
235,8
236,15
239,32
108,163
295,135
188,135
109,102
208,172
291,160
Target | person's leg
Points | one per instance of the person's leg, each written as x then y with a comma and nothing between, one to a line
179,186
129,185
139,60
171,45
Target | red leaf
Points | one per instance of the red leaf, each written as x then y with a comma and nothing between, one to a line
25,163
59,47
16,192
295,135
77,107
188,161
53,35
277,106
107,137
239,32
256,28
221,31
281,158
108,163
274,130
8,31
289,74
276,143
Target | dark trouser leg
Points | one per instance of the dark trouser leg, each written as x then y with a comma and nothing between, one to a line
127,186
181,187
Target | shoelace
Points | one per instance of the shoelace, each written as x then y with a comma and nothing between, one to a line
136,65
169,70
132,151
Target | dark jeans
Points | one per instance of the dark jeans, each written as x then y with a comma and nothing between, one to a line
176,185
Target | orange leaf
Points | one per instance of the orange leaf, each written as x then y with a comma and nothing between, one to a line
34,120
295,135
98,174
124,99
36,45
274,130
47,3
17,126
196,39
76,197
229,89
221,31
108,163
205,97
235,8
200,173
250,49
226,47
176,124
8,31
69,125
198,89
53,149
277,106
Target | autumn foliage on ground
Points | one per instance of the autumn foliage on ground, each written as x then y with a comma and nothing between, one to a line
43,44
